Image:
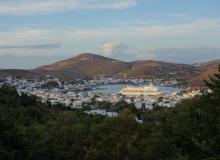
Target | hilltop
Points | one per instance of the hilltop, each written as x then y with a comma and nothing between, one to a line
87,65
91,65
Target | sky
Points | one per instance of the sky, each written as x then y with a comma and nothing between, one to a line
38,32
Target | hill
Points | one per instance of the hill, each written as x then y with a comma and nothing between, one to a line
19,73
87,65
91,65
205,70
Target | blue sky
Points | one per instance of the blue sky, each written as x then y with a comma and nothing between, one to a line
36,32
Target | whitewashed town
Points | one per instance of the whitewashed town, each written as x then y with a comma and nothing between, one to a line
88,95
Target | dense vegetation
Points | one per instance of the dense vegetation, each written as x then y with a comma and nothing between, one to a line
31,130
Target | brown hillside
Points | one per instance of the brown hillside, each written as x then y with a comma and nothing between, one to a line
91,65
206,70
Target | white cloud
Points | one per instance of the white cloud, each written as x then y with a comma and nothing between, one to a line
180,15
181,55
114,48
202,32
24,7
32,46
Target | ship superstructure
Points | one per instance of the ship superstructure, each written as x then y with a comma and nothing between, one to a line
149,90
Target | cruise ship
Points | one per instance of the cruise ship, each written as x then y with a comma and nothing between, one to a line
149,90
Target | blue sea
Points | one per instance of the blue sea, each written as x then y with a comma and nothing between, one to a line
114,89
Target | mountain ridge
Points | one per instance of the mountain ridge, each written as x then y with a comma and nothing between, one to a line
92,65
